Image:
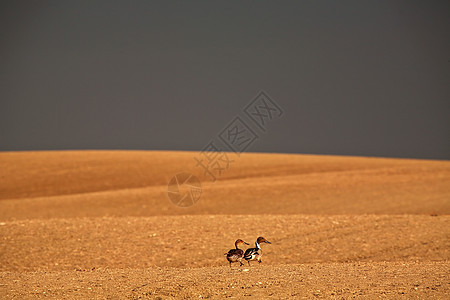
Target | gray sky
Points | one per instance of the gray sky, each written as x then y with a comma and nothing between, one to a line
365,78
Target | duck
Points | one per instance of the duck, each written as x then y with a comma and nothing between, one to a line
255,253
236,255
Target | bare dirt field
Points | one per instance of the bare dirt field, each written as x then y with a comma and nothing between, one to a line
99,224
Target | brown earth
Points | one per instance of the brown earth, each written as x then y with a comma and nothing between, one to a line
99,224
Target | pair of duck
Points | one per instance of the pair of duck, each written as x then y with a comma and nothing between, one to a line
236,255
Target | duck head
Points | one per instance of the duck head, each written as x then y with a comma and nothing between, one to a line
240,242
262,240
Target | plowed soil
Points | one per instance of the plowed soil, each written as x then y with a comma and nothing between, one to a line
99,224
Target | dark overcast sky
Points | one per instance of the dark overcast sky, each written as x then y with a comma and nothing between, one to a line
367,78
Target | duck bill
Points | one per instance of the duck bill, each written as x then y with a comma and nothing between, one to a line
267,242
246,243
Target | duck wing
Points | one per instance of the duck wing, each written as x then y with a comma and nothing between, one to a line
250,252
234,255
235,252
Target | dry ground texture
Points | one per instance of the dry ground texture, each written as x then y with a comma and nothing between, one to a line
98,224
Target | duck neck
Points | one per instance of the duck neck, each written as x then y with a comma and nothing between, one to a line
257,245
